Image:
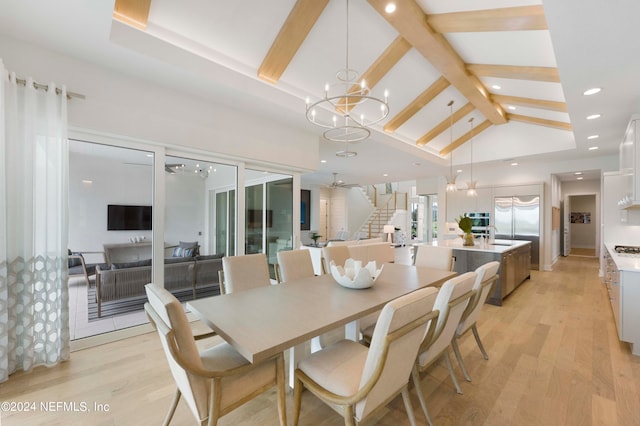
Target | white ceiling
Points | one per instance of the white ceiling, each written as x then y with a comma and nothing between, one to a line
213,49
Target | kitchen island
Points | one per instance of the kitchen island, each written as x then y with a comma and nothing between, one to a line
514,257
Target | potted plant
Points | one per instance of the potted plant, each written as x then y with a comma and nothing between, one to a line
314,236
465,224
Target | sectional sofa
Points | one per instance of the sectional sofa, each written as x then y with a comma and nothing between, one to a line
121,281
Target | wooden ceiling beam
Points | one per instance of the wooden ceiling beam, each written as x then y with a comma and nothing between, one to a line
292,34
132,12
525,18
417,104
528,102
548,74
540,122
392,54
411,23
464,138
445,124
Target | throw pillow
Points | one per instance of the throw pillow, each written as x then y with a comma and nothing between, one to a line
183,252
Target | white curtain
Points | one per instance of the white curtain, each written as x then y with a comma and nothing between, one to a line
34,300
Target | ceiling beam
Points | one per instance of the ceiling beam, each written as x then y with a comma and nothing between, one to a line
525,18
417,104
392,54
132,12
515,72
292,34
445,124
411,23
540,122
528,102
464,138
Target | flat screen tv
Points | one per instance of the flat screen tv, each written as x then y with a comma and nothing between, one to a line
128,218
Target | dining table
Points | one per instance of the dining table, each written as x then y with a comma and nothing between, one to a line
262,322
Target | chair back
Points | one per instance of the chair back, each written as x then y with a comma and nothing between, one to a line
487,275
452,300
436,257
295,264
400,329
245,272
339,255
167,316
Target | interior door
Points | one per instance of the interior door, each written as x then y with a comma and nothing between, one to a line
566,232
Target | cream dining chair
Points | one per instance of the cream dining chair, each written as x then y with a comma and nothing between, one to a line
453,298
355,380
436,257
487,275
215,381
244,272
293,265
339,255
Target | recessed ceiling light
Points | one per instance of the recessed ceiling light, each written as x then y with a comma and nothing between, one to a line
593,116
87,181
593,148
593,137
514,164
459,171
385,174
592,91
323,161
149,155
577,173
579,178
390,8
495,86
511,107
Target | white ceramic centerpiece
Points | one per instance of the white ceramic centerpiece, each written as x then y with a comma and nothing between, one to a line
354,275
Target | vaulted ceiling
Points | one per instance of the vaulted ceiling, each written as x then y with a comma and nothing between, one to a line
495,59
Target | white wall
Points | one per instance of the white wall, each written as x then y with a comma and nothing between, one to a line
583,235
359,208
122,105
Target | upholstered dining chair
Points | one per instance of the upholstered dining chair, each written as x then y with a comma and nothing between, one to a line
355,380
215,381
339,255
244,272
294,264
453,298
487,275
436,257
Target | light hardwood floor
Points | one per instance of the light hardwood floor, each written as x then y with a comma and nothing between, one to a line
555,359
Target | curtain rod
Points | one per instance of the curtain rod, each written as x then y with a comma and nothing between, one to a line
46,87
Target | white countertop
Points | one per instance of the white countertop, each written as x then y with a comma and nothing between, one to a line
497,246
624,263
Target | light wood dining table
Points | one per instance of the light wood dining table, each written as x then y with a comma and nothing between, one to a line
264,321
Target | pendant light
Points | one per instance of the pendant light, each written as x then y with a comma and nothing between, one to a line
451,179
471,185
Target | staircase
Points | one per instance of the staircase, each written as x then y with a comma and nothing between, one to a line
385,209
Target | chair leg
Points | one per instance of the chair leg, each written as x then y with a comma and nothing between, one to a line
172,408
456,350
447,360
215,397
297,400
407,405
415,376
280,379
348,416
479,342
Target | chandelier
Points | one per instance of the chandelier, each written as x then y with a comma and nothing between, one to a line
451,179
471,185
341,98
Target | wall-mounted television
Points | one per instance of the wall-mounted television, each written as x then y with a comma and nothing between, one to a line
305,210
128,218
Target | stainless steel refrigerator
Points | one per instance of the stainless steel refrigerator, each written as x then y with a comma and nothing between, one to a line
518,218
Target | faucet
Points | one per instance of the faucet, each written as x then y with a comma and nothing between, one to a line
488,232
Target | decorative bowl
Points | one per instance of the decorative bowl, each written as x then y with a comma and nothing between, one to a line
353,275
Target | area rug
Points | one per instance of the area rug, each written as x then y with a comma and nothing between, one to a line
120,307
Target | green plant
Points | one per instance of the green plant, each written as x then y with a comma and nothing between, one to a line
464,223
315,236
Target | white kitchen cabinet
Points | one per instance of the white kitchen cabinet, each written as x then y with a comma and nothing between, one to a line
630,165
623,286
